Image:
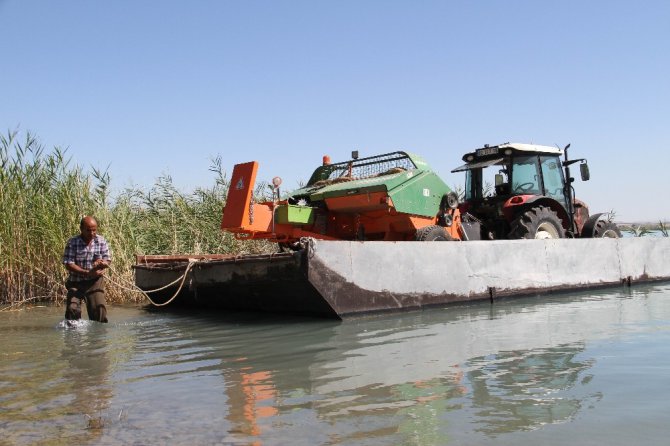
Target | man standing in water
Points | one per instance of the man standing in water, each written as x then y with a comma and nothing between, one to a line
86,257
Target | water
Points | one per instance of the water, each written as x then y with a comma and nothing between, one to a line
587,368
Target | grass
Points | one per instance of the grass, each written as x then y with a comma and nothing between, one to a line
43,196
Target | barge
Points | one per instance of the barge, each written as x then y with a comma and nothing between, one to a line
385,233
339,279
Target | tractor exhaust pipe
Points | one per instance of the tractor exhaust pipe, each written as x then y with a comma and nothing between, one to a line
569,191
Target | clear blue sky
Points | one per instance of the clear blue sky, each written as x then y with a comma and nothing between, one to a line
154,87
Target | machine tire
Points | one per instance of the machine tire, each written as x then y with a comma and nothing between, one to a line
432,233
449,201
289,247
539,222
606,229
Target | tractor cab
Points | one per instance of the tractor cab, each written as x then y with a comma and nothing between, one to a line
517,190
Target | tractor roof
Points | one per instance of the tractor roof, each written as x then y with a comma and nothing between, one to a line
515,146
489,155
531,148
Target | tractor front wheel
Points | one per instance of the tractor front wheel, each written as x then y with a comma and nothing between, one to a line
432,233
539,222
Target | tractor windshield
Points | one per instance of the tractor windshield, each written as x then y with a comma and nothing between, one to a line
538,178
525,176
552,175
519,174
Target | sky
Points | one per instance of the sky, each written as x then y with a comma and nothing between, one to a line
152,88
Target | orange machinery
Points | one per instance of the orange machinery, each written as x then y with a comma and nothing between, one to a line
394,196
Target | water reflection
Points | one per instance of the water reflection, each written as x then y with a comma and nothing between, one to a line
85,366
421,421
408,378
251,402
472,374
399,378
54,381
405,380
523,390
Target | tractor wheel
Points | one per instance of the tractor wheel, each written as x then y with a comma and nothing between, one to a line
432,233
539,222
606,229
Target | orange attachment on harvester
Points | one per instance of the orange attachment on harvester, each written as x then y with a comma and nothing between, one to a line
236,215
395,196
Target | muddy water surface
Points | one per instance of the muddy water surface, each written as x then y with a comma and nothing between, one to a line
587,368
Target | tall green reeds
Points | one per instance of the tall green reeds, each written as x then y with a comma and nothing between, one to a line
164,220
43,196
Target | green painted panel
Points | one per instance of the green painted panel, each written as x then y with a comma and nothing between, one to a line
416,190
419,195
298,215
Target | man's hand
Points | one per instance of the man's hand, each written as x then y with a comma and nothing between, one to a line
100,264
98,269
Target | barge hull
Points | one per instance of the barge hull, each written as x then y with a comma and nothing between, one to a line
341,278
269,283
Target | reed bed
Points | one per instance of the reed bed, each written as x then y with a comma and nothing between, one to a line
43,196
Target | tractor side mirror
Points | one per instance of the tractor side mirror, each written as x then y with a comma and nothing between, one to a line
584,170
499,179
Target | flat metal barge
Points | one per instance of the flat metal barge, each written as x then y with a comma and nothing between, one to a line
344,278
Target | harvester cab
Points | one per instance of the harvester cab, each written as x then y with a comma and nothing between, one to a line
515,191
393,196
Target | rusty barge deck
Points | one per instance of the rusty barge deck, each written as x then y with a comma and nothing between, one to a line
341,278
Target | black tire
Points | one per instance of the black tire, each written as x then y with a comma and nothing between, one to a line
432,233
449,201
537,223
289,247
606,229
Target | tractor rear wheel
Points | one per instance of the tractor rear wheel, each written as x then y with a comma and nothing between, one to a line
432,233
539,222
606,229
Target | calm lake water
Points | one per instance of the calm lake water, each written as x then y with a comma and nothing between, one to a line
580,369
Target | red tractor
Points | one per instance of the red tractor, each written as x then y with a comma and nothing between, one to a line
531,195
